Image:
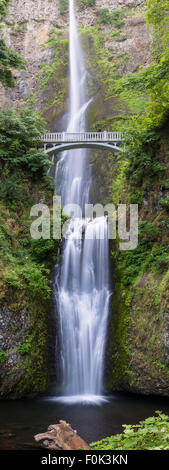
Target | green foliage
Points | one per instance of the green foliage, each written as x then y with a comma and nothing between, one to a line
158,16
167,184
3,8
115,17
25,347
52,78
41,251
12,189
144,161
154,78
148,77
164,202
138,177
37,279
19,137
136,197
146,257
26,268
2,357
54,37
150,434
86,3
5,238
9,58
63,6
105,67
32,276
148,231
12,279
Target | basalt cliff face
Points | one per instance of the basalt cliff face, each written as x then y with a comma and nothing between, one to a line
137,352
31,25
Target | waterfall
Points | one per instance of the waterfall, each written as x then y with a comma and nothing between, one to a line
82,285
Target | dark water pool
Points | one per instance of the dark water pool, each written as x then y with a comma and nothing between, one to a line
21,419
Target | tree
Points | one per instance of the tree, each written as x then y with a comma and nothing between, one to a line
19,138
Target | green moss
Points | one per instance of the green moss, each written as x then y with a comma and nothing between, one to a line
26,346
137,353
25,287
53,78
86,3
141,278
36,372
3,357
136,349
115,17
63,6
25,263
119,338
164,202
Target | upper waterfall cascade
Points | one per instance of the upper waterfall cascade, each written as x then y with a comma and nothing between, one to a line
82,284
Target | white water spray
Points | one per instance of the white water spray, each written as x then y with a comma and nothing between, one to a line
83,285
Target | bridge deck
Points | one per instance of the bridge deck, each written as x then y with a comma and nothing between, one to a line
60,137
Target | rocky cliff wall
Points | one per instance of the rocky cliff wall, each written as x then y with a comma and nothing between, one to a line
29,25
39,32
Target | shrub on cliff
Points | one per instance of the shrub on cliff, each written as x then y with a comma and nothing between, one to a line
3,8
9,59
114,17
19,136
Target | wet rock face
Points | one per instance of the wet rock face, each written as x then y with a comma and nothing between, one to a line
9,323
28,26
112,4
37,10
130,3
12,331
61,437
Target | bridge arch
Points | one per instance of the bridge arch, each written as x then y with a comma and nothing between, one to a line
78,145
61,141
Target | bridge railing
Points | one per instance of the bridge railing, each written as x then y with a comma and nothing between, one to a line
83,137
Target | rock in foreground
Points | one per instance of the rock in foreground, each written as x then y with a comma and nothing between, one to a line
61,437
